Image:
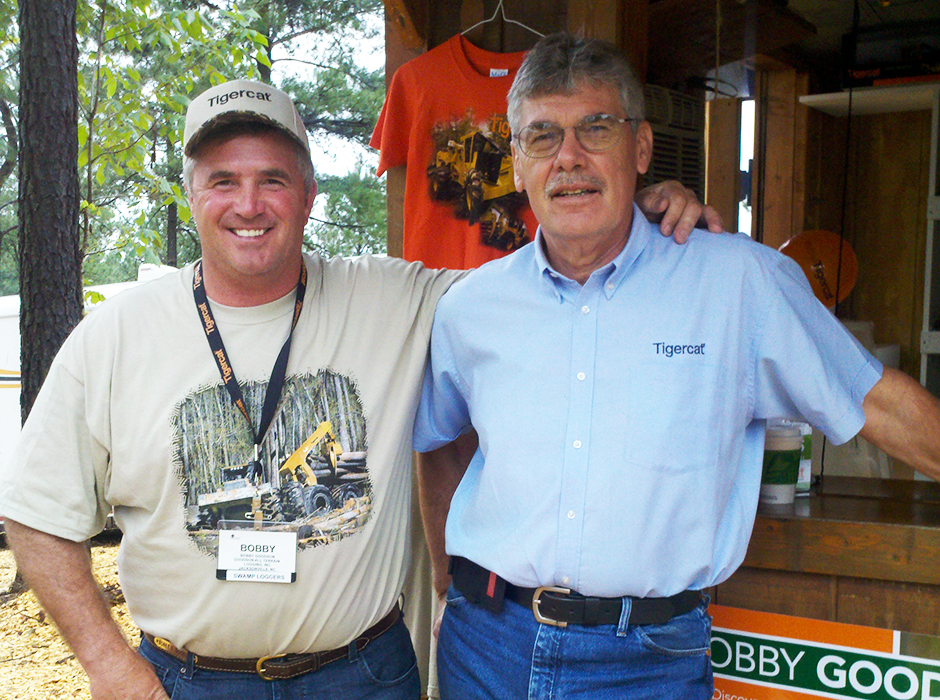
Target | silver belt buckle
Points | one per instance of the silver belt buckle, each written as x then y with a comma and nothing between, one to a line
535,605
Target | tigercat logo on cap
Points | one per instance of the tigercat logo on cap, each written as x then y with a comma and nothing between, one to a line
220,100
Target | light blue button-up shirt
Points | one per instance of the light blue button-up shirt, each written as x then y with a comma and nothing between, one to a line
622,422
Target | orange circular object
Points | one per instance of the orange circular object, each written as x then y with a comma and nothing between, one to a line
817,252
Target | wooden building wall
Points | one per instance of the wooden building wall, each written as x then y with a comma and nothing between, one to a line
864,552
884,216
808,165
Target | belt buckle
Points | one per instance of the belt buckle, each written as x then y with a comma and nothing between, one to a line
163,645
259,666
535,605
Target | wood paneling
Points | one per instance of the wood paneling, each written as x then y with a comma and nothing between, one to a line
901,606
779,181
598,19
884,218
723,158
859,551
634,34
825,170
872,603
395,206
887,551
543,16
889,169
775,591
397,53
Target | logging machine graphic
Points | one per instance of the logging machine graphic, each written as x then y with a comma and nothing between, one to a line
315,479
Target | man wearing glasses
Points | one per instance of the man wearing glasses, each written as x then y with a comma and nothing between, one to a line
620,389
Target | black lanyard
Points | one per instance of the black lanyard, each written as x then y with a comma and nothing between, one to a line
275,385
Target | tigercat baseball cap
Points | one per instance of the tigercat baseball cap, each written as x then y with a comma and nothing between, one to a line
241,101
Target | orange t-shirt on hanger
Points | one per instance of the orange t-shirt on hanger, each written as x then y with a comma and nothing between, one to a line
445,118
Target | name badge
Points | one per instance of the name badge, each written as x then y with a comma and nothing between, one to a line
256,555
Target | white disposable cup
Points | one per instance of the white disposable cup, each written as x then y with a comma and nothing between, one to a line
782,448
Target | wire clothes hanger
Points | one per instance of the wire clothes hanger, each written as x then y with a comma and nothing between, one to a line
501,12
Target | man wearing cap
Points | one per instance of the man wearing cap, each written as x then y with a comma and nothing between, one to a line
249,421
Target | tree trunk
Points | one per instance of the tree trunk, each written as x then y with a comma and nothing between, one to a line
172,213
172,225
50,254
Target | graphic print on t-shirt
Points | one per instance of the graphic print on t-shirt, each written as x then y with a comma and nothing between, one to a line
472,172
313,480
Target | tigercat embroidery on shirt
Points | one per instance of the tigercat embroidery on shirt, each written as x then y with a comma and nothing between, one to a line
669,350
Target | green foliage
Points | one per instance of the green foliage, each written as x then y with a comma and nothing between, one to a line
9,253
140,61
354,215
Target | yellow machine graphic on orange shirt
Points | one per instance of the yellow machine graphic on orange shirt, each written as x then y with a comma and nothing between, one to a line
476,163
474,173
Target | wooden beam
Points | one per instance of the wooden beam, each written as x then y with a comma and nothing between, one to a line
780,160
407,19
397,53
885,551
723,158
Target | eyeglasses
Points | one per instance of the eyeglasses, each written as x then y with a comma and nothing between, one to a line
596,133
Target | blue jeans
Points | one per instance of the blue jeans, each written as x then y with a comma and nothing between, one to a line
510,656
385,670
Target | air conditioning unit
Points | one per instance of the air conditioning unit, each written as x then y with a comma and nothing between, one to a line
678,122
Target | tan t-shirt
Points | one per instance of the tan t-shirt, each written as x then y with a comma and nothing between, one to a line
134,415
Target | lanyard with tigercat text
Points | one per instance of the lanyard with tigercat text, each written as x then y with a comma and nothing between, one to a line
275,385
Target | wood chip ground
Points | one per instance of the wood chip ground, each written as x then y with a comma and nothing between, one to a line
35,664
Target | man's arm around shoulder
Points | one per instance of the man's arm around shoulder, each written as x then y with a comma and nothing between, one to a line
59,573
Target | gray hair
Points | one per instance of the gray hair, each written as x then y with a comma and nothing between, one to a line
304,163
562,64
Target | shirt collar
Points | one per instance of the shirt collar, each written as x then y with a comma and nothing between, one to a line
613,273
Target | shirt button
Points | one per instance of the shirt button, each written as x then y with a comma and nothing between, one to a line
582,376
571,515
610,285
585,309
566,580
577,444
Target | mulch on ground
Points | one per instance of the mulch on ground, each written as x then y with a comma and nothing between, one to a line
35,664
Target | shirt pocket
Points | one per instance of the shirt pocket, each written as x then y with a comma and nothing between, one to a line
672,417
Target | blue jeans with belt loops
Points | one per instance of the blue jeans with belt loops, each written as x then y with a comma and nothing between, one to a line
386,669
509,656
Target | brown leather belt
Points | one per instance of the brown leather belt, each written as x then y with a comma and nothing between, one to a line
553,605
278,666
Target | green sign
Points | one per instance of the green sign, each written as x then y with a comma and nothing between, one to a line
823,670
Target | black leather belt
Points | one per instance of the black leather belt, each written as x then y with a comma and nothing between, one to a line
279,666
560,607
